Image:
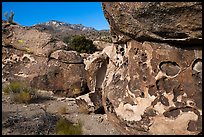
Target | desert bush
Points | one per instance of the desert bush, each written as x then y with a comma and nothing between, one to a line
22,97
14,87
9,17
19,92
65,127
82,45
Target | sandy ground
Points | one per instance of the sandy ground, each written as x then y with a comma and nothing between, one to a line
39,118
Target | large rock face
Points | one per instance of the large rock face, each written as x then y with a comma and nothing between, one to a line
152,87
158,21
40,61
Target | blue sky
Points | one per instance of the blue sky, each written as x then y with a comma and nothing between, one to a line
89,14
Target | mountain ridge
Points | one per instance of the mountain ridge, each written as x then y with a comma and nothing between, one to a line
63,30
58,23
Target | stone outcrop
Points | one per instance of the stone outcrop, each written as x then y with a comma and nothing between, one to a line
95,66
153,81
40,61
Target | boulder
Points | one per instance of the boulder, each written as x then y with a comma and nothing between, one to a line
153,81
91,102
70,57
30,40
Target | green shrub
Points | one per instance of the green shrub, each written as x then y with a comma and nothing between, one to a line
65,127
14,87
19,92
82,45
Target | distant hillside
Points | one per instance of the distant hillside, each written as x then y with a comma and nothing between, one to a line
64,30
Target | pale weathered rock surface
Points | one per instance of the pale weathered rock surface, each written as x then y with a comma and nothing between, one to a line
152,87
36,59
95,66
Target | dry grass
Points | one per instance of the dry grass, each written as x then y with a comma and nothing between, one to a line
19,92
65,127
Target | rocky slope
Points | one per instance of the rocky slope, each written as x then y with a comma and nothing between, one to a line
38,59
42,61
